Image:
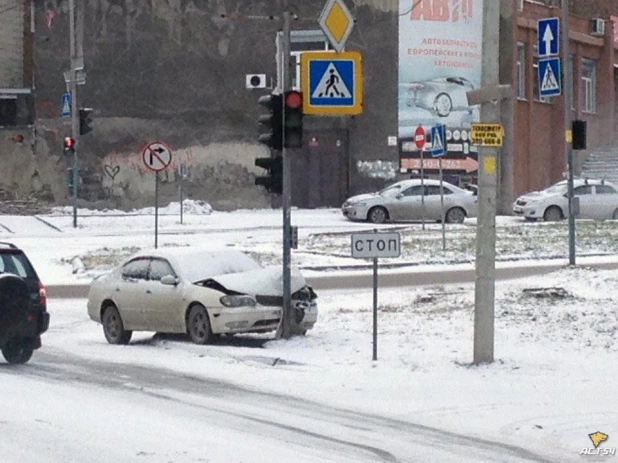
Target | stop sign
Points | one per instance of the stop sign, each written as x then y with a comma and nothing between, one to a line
419,137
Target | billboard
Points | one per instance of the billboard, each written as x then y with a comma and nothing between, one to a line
440,51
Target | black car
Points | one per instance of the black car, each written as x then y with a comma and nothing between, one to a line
23,305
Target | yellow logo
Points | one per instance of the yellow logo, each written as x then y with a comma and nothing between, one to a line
597,438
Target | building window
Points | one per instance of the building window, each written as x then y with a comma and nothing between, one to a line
521,71
535,90
589,86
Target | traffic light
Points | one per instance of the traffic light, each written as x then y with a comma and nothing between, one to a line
273,121
579,135
85,121
69,145
274,180
293,119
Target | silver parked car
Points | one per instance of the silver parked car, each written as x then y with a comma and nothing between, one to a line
404,201
202,293
441,96
598,199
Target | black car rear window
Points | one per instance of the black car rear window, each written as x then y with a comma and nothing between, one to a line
17,264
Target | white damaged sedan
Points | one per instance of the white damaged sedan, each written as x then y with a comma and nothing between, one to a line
202,293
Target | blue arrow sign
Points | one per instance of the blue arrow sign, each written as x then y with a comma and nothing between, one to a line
549,77
66,105
438,140
548,37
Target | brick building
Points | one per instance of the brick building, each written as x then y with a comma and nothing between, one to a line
539,123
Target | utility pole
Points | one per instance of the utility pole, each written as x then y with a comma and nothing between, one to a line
486,222
74,107
286,200
568,130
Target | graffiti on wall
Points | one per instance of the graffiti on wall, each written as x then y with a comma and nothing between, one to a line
120,169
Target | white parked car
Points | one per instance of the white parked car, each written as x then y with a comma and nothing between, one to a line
202,293
597,200
404,201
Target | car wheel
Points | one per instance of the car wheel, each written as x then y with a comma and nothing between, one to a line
377,215
455,215
615,215
198,325
15,353
552,214
443,105
113,328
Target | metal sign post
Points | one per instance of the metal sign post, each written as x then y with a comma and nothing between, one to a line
156,209
157,157
182,170
438,140
372,246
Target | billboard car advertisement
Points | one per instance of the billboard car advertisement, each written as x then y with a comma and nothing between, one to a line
440,51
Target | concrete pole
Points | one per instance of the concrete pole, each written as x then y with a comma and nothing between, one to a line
486,222
286,324
568,104
74,107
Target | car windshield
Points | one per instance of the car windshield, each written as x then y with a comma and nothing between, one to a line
392,190
198,266
17,264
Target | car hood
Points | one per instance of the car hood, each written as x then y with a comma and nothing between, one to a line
266,281
363,197
536,195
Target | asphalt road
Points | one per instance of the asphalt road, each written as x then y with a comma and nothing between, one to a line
308,427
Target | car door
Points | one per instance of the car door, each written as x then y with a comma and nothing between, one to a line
587,209
407,205
128,290
433,202
606,199
163,304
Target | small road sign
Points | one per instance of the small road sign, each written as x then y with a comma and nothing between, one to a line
157,156
337,23
374,245
438,140
331,83
549,77
486,135
419,137
548,37
66,105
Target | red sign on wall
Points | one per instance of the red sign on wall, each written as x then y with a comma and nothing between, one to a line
615,21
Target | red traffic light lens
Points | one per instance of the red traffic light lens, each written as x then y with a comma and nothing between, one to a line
294,100
69,142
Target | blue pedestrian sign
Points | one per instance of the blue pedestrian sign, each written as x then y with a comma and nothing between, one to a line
438,140
549,77
548,36
65,105
331,83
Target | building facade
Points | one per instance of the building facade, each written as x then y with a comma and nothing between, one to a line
176,71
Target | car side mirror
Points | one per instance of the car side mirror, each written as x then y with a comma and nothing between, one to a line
169,280
399,196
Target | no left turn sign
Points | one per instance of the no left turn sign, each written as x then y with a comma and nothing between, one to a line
157,156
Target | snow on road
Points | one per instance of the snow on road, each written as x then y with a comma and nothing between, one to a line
552,383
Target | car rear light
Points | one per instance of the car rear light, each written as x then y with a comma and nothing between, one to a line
237,301
42,295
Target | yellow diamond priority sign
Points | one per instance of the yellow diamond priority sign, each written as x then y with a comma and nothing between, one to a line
337,22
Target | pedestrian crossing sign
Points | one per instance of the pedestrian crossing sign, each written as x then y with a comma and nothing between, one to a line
331,83
549,77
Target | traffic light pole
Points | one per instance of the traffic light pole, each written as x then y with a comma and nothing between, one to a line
286,199
74,106
568,104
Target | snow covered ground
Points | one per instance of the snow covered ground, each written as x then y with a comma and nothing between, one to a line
552,384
